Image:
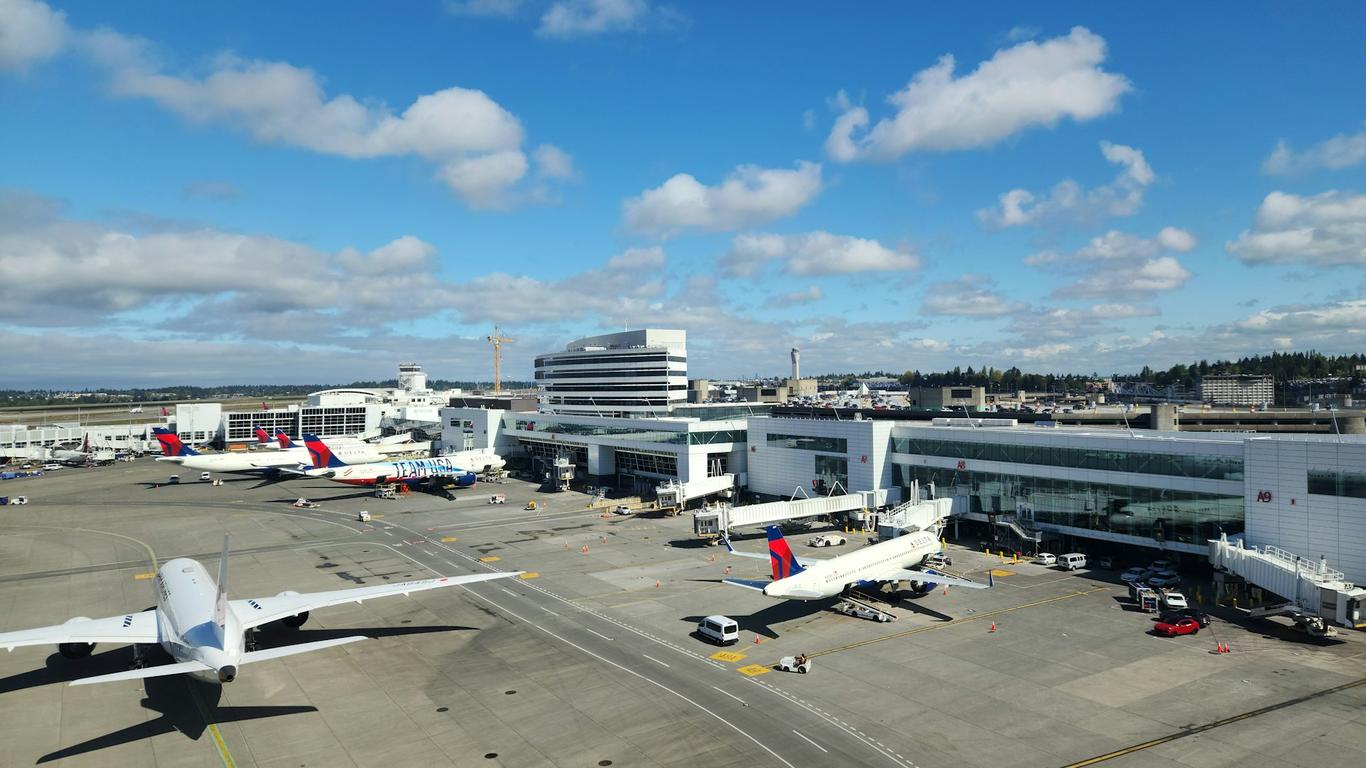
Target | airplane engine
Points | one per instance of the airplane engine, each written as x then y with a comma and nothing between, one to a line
920,588
297,620
76,650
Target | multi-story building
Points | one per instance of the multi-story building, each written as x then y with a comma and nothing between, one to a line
1237,390
633,373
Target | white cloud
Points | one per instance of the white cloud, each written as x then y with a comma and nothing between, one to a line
30,32
486,8
749,196
624,286
1144,279
1326,229
1030,84
1120,265
1038,352
1119,246
581,18
968,296
1341,151
553,162
483,180
1069,202
1068,323
638,258
815,253
808,295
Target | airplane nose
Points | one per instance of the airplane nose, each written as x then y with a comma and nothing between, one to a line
226,674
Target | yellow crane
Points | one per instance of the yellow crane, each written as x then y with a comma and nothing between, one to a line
498,340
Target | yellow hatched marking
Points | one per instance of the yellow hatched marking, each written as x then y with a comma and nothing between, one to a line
490,559
448,539
754,670
144,576
530,575
728,656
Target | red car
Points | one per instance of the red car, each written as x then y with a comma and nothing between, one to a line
1182,626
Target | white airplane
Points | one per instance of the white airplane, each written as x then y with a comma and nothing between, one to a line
460,469
893,560
252,462
202,629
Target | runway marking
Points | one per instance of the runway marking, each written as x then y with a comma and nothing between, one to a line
657,661
733,696
599,634
547,610
727,656
144,576
508,591
490,559
809,741
1216,724
956,622
753,670
428,553
387,532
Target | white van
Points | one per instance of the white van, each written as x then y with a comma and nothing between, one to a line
721,630
205,477
1072,561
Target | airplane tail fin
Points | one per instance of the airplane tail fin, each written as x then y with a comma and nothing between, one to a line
170,443
262,437
220,603
285,442
780,555
322,456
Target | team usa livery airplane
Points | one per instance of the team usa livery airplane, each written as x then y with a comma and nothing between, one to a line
204,631
894,560
252,462
329,462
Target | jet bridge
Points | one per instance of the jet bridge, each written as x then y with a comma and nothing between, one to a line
718,520
1314,595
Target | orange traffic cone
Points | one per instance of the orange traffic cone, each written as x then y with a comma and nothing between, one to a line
584,549
993,627
656,583
946,591
728,570
757,640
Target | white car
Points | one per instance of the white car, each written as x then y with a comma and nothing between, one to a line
1133,574
51,467
1174,601
19,500
1045,558
827,540
622,509
1164,580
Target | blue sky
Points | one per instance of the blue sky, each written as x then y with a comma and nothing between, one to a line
262,192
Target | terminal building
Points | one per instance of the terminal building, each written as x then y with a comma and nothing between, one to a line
633,373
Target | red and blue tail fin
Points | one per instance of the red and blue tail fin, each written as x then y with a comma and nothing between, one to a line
285,442
170,443
262,436
780,555
321,455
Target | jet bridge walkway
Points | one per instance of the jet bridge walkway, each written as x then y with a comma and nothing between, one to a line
1313,594
719,520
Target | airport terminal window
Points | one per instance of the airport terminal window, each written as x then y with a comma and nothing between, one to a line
1203,466
1191,517
719,436
1337,482
808,443
631,462
831,470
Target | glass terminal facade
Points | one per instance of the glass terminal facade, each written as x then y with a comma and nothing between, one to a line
1203,466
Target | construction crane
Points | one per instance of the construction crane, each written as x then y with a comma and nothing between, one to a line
498,340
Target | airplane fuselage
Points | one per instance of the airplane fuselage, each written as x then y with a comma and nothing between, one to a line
256,461
828,578
187,626
414,471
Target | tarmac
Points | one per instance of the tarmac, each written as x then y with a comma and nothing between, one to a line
591,660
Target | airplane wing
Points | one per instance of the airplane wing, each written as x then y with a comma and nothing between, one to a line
935,577
805,561
195,666
129,628
262,610
754,584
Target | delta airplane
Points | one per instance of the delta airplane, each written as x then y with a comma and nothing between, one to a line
204,631
251,463
327,463
893,560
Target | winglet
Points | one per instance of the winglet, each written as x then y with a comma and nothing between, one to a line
220,605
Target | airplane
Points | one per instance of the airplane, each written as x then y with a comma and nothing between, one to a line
430,472
279,462
204,631
893,560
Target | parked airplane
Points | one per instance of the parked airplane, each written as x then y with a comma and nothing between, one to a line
893,560
204,631
252,462
329,464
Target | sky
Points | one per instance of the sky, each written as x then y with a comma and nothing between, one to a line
299,192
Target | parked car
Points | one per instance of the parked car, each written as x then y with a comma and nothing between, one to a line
827,540
1072,561
1200,616
721,630
1161,565
173,479
1182,626
205,477
937,560
622,509
1045,558
1104,562
800,664
1172,600
1133,574
1164,580
52,467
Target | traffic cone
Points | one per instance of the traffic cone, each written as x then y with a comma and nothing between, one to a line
946,591
757,640
584,550
728,570
993,627
656,583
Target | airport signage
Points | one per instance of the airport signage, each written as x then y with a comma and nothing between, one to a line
1264,496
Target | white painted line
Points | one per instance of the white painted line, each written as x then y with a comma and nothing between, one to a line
733,696
547,610
809,741
657,661
428,553
599,634
387,532
509,592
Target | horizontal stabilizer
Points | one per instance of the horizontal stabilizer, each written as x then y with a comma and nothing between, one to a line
747,583
291,650
138,674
